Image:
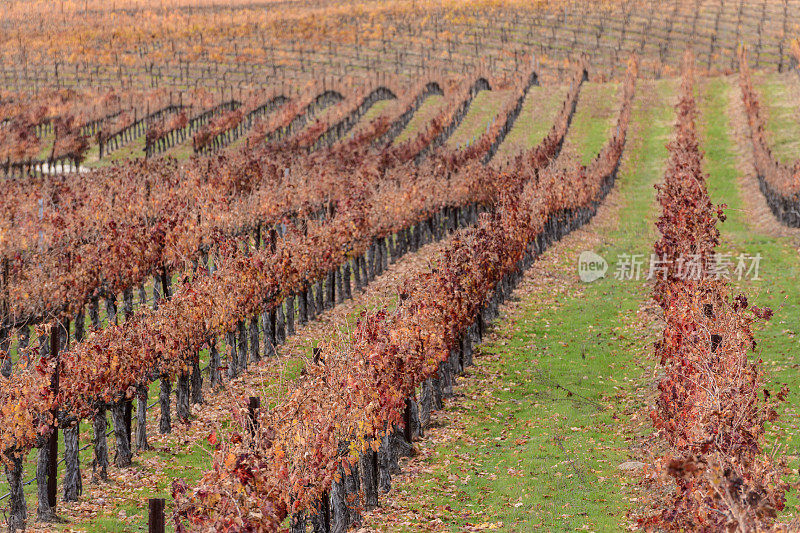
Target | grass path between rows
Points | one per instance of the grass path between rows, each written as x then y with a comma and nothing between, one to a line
483,111
539,426
595,114
538,113
779,94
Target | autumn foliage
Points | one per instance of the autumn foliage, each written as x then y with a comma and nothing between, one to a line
360,391
368,198
712,406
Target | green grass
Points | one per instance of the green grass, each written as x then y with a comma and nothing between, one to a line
779,269
482,112
46,146
377,109
780,108
432,106
322,113
187,462
372,113
545,412
132,150
180,151
534,121
594,117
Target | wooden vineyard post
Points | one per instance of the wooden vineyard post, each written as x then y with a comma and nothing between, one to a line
52,456
407,422
5,333
155,520
253,406
129,420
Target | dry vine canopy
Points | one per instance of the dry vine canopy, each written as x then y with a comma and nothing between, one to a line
285,265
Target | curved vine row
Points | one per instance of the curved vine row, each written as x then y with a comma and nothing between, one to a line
246,283
305,449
